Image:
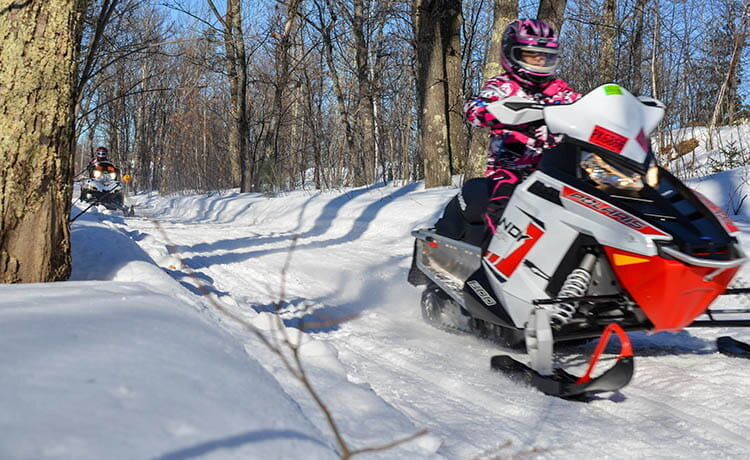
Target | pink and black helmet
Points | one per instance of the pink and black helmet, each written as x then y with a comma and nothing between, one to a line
530,37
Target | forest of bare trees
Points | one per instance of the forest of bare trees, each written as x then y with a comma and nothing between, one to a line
271,95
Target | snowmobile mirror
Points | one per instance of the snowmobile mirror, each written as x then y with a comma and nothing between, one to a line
516,110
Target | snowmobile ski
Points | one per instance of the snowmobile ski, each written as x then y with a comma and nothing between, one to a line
567,386
733,347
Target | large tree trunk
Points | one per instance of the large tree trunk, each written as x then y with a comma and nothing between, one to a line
240,96
236,67
270,162
505,11
365,111
434,142
37,96
552,12
607,50
454,83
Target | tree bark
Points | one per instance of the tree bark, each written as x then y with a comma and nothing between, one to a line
269,165
607,50
240,97
235,131
434,142
236,68
504,12
552,12
454,83
365,111
325,33
636,54
38,57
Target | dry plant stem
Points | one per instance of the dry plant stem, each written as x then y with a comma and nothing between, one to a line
295,368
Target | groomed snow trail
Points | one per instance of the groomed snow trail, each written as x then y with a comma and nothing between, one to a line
385,373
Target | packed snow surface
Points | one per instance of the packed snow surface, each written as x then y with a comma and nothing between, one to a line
134,357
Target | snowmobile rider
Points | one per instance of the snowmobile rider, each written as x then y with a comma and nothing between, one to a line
101,155
530,50
101,158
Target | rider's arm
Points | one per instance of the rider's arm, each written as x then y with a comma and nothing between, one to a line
494,90
561,93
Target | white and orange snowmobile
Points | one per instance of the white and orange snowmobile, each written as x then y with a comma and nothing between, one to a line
597,241
103,187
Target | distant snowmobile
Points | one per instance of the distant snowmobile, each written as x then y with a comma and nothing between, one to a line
103,187
598,241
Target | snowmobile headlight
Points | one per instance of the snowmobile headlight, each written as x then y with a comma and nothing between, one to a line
97,174
112,176
608,175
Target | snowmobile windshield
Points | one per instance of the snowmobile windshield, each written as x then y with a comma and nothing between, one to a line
536,59
607,174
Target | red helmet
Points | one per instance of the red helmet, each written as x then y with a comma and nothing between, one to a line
102,153
524,38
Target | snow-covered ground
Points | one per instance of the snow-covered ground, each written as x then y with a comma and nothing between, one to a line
731,144
130,360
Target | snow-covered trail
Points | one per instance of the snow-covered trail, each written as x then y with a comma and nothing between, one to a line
351,257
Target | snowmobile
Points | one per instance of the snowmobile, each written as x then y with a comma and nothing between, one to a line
104,187
598,241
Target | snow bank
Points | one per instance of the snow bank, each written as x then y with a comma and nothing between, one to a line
728,140
729,190
128,367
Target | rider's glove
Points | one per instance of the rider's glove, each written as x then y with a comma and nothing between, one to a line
543,140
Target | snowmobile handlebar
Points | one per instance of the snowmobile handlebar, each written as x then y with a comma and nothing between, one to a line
516,110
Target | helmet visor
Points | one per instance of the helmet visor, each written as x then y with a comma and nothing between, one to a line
537,60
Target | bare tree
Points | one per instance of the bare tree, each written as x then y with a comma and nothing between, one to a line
272,151
236,67
365,109
451,33
504,11
39,42
552,12
740,36
430,19
636,50
607,49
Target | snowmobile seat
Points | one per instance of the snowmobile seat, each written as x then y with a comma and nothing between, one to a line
464,215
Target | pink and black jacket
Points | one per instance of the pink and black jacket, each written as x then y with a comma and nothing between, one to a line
514,147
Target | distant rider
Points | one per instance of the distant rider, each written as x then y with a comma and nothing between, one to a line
530,50
101,155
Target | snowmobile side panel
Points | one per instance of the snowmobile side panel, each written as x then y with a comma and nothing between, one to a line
482,304
526,251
